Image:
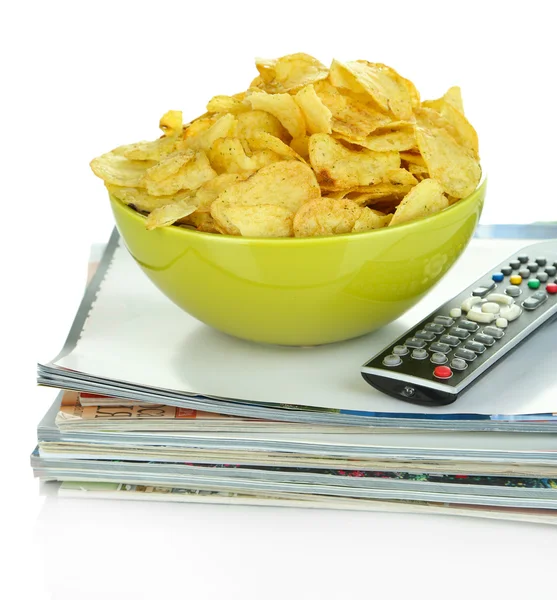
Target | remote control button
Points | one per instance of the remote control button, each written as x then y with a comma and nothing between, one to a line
392,360
451,340
515,264
513,291
507,271
532,267
510,313
541,260
551,271
535,300
524,273
428,336
534,284
490,307
414,343
400,350
442,372
435,327
497,277
476,347
482,290
501,323
468,325
543,277
483,338
462,334
495,332
468,355
438,358
551,288
419,354
469,302
523,258
540,296
500,299
440,347
481,317
455,313
445,321
516,279
459,364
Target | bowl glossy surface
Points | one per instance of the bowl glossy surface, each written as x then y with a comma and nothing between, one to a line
300,291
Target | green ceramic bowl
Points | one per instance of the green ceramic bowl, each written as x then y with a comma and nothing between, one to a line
303,291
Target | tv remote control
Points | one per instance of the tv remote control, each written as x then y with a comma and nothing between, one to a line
445,354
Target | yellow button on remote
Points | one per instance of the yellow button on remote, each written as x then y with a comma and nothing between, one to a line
516,279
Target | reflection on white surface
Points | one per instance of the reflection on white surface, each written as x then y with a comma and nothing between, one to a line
113,549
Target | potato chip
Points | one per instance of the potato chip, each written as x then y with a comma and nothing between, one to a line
119,170
211,189
301,146
154,150
141,200
169,165
326,216
448,162
224,126
290,72
188,177
418,171
264,158
169,214
412,158
265,141
317,116
339,194
330,96
371,219
384,85
262,220
454,97
463,131
340,168
400,177
423,199
386,193
286,184
146,150
256,84
171,123
202,221
198,126
228,155
398,140
253,121
352,117
226,104
283,107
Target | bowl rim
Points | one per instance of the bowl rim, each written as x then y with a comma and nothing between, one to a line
222,237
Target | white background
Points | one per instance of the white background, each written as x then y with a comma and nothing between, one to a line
83,77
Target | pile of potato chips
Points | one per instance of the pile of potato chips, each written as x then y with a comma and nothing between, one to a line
306,151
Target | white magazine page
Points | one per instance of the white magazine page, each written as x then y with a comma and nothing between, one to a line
135,334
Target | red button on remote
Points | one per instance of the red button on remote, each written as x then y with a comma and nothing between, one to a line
442,372
551,288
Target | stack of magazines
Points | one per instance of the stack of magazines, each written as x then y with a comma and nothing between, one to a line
155,405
